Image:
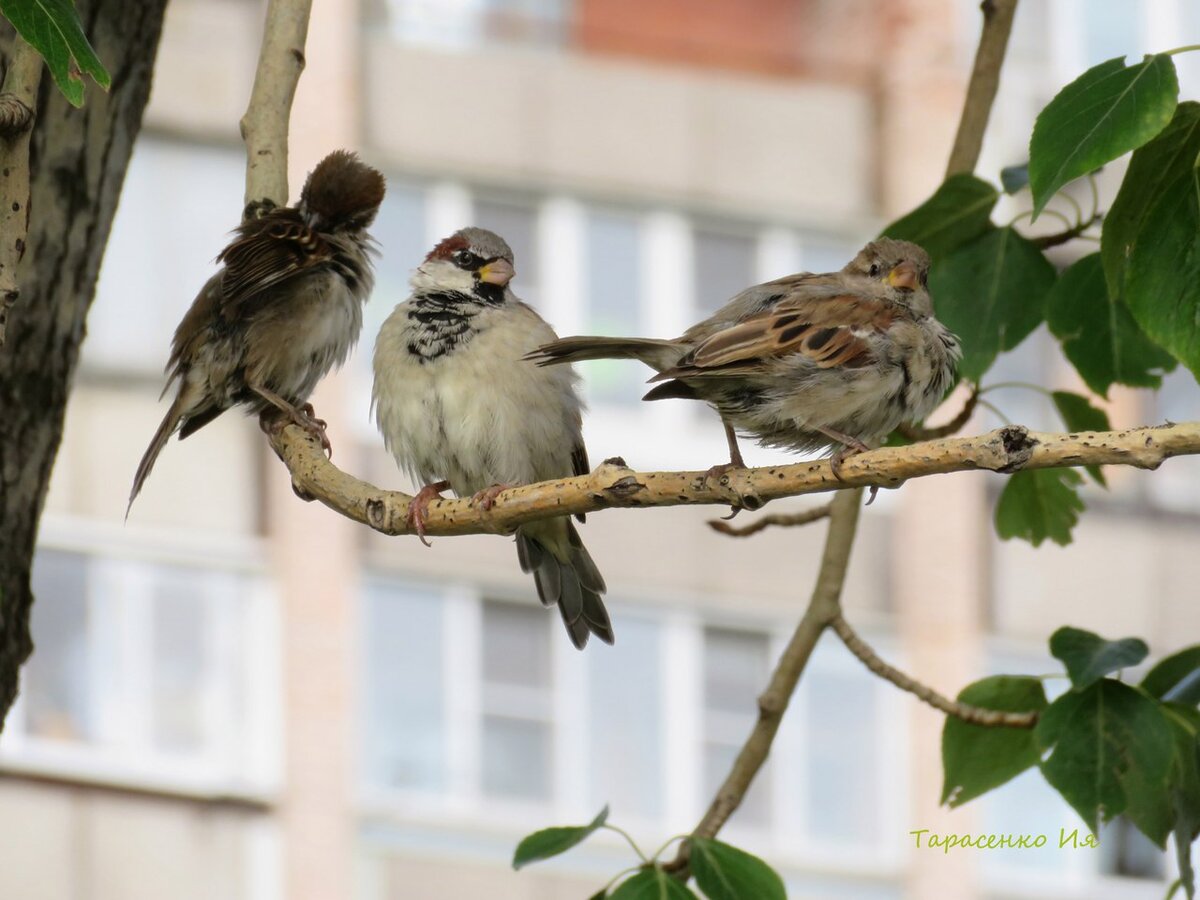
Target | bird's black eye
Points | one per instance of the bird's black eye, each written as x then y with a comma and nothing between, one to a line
465,259
874,270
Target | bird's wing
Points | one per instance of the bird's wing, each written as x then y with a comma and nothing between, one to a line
267,252
830,328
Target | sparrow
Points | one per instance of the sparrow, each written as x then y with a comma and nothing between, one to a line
459,407
284,308
806,362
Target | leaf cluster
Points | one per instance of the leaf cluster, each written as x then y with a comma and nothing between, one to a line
1123,315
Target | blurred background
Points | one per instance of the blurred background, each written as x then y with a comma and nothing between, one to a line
237,695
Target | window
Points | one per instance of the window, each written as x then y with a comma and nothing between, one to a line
465,23
626,720
143,670
518,727
735,671
1176,486
404,691
724,264
150,273
614,301
1111,28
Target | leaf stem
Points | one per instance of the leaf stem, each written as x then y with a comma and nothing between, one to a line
1017,384
632,843
1185,49
994,408
661,850
1028,214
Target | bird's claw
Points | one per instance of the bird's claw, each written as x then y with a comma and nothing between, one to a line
419,506
486,498
316,427
840,456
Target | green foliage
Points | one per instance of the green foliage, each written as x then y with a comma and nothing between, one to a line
1107,111
52,27
1089,657
991,293
1037,504
652,883
724,872
975,758
1078,414
552,841
1176,678
1151,239
1102,739
1098,334
958,212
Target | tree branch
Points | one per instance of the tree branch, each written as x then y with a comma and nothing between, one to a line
18,98
265,125
823,607
976,715
954,426
782,520
1004,450
985,79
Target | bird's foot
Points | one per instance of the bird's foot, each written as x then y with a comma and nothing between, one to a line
307,419
418,507
852,447
486,498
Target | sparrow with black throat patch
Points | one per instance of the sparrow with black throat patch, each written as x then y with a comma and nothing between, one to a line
806,362
284,309
460,408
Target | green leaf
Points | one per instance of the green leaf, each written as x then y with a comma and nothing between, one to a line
1079,415
976,758
652,884
1104,741
958,212
552,841
52,27
1185,787
724,872
1037,504
1013,178
991,293
1150,244
1098,334
1104,113
1175,677
1089,657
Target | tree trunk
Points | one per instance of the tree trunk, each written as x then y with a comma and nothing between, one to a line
78,160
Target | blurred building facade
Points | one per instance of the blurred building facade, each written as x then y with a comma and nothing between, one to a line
237,695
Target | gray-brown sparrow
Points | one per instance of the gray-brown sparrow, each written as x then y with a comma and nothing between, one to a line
284,309
460,408
807,361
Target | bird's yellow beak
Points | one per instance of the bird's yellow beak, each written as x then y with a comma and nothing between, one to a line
498,271
905,277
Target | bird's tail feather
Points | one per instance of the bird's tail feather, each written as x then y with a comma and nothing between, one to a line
566,575
657,354
166,428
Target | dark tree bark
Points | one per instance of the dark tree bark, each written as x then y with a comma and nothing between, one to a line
78,160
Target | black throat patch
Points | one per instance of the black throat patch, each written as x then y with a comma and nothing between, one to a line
443,322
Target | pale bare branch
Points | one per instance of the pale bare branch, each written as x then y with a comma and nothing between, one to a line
779,520
18,100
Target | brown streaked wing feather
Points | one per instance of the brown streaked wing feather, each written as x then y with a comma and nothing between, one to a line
829,330
267,252
579,465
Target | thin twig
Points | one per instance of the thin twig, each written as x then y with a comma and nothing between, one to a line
954,426
985,79
976,715
782,520
265,124
18,99
1004,450
823,607
1053,240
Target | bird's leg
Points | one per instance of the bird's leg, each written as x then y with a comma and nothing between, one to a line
487,497
304,417
735,462
419,506
850,446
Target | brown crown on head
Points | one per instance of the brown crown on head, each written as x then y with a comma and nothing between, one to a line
342,187
447,247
